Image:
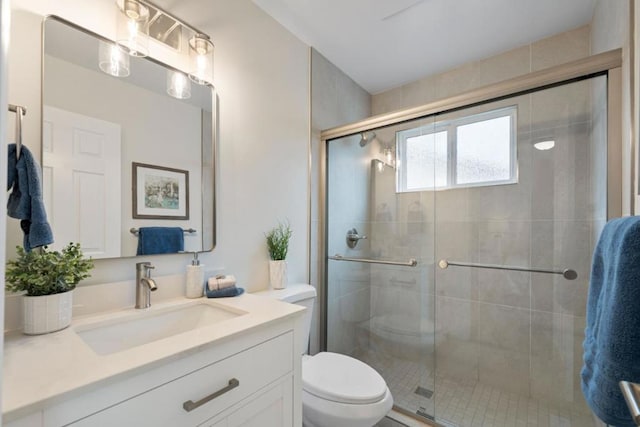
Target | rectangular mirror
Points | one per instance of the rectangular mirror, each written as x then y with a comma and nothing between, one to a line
120,153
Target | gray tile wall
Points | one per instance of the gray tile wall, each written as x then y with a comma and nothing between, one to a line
335,100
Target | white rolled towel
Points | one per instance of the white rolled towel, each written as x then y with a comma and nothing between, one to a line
221,282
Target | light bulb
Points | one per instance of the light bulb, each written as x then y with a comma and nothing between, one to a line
388,155
201,53
178,85
133,27
112,60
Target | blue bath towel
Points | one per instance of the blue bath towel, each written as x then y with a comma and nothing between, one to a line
231,291
612,336
160,240
25,201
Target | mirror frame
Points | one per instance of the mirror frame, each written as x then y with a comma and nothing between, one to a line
214,129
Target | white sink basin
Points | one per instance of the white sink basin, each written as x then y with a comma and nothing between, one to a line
142,326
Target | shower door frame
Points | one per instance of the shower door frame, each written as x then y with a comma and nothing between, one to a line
607,64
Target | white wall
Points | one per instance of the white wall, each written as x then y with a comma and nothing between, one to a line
261,76
4,45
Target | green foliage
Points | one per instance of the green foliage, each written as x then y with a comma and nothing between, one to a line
47,272
278,241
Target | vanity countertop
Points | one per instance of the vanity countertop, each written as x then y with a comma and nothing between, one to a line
43,369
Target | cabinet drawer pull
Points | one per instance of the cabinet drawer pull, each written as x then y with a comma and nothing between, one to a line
190,405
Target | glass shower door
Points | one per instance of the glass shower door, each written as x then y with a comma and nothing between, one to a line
527,189
494,201
380,306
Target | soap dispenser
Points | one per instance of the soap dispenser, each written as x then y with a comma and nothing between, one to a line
195,278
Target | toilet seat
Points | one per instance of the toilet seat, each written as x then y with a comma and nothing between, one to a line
343,379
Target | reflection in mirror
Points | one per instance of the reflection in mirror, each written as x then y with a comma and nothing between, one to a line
98,129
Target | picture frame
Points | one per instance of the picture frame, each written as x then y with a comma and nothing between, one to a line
159,192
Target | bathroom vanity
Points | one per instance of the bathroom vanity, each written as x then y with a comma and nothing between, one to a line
226,362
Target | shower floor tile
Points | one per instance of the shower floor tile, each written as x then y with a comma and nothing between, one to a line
459,403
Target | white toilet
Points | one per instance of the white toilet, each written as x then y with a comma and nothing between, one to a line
338,390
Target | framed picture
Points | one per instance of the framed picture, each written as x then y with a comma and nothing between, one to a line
160,192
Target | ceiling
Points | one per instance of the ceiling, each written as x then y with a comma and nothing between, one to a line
382,44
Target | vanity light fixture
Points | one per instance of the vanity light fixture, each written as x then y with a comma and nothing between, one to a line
201,59
140,20
133,27
113,60
178,85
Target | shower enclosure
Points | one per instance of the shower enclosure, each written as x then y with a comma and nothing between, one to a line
458,246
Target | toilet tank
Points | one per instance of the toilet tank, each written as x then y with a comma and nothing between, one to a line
299,294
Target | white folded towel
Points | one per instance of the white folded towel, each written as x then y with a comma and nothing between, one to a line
221,282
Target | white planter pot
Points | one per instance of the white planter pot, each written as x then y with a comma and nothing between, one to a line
278,274
47,313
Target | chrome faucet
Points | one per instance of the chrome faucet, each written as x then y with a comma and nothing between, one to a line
144,284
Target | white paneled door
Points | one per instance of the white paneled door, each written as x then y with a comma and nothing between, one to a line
81,181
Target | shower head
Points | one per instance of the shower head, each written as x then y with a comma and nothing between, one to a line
364,139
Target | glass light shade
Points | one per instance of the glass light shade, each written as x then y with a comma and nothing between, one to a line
178,85
112,60
545,145
133,27
201,59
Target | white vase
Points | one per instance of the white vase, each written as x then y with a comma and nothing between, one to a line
278,274
47,313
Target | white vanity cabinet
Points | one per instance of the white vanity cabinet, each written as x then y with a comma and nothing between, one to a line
269,408
210,390
251,379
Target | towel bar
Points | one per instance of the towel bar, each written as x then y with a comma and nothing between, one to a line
20,113
411,263
631,393
567,273
189,230
14,109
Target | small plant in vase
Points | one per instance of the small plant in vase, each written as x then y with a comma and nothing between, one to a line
278,245
48,279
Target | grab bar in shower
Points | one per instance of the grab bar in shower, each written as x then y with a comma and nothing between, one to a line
411,263
631,393
568,274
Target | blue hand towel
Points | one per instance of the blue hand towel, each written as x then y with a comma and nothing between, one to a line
160,240
612,336
223,293
25,201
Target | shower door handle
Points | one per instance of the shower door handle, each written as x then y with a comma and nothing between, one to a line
411,263
567,273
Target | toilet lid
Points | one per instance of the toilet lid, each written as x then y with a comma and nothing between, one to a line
341,378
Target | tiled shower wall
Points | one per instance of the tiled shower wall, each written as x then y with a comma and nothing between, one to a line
545,53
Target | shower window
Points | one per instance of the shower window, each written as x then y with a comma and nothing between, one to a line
476,150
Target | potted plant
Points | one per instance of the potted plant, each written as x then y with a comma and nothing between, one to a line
278,245
48,278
